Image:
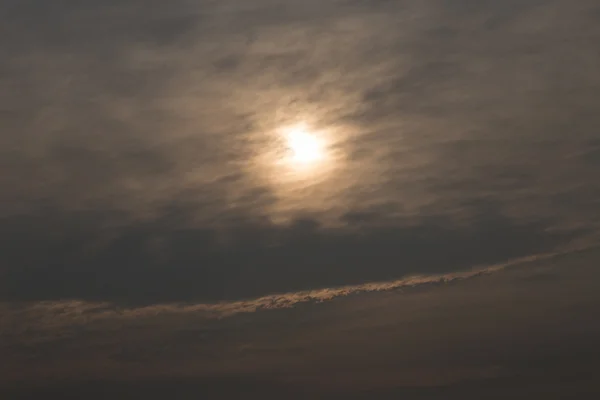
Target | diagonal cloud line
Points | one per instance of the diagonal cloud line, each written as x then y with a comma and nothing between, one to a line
47,315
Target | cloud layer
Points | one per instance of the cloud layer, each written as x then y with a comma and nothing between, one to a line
530,327
135,136
437,104
150,237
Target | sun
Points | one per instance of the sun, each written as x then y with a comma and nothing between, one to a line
306,147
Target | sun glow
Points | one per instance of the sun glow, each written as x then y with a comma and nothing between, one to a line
301,162
306,148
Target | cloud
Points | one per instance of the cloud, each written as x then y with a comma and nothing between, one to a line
500,331
147,234
171,260
23,317
136,108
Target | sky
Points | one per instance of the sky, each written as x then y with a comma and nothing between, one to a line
299,199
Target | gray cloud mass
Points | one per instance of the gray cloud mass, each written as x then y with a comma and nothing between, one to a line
124,119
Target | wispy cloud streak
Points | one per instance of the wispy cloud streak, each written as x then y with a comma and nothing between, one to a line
50,315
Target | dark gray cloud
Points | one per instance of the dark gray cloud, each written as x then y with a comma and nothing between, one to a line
166,260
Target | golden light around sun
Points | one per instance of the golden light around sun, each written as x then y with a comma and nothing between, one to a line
302,164
306,148
298,155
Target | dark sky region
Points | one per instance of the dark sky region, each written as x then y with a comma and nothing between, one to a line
277,199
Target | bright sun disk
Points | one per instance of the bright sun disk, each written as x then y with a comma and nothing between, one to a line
306,147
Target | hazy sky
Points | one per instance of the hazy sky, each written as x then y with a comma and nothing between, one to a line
300,198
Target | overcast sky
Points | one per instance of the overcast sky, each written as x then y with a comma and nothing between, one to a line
433,234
